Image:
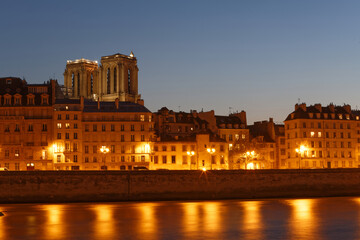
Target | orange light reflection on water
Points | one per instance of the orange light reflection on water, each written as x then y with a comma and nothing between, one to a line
303,223
191,217
252,222
147,222
2,228
104,227
211,218
54,221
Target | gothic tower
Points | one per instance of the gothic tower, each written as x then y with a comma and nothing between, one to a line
116,77
81,78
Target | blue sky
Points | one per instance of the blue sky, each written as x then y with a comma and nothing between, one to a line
257,56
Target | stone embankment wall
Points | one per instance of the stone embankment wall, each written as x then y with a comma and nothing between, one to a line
89,186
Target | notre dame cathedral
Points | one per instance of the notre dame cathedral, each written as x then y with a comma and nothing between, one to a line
115,77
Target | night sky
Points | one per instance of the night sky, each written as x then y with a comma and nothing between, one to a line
257,56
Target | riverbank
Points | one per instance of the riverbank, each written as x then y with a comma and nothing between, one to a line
102,186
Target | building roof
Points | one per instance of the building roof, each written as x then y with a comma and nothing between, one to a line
90,106
330,112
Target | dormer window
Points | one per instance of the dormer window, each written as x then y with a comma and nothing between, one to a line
17,99
30,99
325,115
44,99
8,81
310,115
340,116
7,99
347,116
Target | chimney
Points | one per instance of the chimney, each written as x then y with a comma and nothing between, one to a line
347,108
117,103
98,103
271,120
318,107
296,107
303,106
331,107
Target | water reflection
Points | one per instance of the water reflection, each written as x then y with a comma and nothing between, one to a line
54,224
104,222
252,222
303,222
326,218
147,221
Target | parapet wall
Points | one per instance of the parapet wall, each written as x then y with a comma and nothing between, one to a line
89,186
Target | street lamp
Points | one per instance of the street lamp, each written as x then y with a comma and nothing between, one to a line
301,150
104,150
211,151
191,154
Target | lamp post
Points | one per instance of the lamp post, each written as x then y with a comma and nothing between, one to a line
191,154
301,150
248,154
104,150
211,151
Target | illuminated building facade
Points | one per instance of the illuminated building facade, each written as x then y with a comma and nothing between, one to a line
201,151
26,124
82,128
115,78
322,137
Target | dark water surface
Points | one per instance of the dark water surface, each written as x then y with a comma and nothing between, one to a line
322,218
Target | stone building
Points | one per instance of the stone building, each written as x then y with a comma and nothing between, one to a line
322,137
268,143
82,128
115,78
26,131
200,151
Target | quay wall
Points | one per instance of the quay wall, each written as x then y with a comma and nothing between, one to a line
94,186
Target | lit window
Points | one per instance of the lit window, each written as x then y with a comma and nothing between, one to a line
59,125
67,125
142,118
312,134
319,134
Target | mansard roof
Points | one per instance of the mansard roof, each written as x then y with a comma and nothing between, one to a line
92,106
330,112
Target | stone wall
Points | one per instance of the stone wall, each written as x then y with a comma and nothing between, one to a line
78,186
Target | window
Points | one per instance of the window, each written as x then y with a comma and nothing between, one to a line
184,148
7,128
17,166
133,158
94,127
67,146
112,148
142,118
164,148
122,149
222,148
75,117
156,159
112,127
103,128
164,159
133,138
122,159
349,135
58,158
59,125
17,153
142,128
142,138
230,137
58,135
86,149
75,158
173,148
67,117
30,128
122,138
122,127
312,134
132,127
304,125
75,136
173,159
75,147
67,125
184,160
319,134
7,153
86,127
44,127
76,126
17,128
86,159
213,159
67,135
349,144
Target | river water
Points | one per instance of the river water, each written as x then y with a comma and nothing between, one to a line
320,218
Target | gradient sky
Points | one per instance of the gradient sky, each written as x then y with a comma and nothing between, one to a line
257,56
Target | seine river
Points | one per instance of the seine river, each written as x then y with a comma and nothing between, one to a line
321,218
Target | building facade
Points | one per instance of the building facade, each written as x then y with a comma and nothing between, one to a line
322,137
